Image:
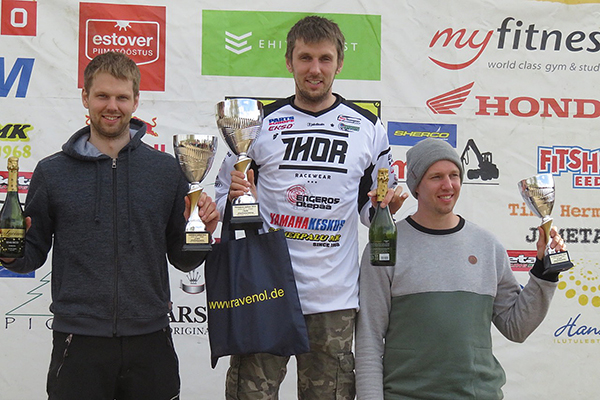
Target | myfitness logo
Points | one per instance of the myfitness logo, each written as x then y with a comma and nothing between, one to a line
458,48
253,43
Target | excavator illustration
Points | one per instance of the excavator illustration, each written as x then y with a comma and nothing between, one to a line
485,170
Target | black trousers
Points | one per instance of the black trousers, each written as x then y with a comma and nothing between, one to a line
122,368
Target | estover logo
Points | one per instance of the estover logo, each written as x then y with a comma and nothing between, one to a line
138,31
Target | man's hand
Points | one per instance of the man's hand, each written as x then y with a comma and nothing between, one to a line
556,242
207,210
240,186
394,198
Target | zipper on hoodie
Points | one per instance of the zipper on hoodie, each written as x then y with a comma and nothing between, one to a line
115,238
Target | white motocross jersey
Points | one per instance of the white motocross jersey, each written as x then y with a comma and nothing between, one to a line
313,172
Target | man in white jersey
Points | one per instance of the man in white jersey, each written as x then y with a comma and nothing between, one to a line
423,331
314,169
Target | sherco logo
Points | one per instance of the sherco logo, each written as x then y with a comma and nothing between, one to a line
511,35
446,102
237,42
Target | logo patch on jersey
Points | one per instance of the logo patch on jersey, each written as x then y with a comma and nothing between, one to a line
348,119
281,120
348,128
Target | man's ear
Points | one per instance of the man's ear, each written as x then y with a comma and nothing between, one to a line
84,98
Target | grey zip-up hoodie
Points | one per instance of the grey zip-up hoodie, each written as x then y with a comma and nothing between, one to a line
111,224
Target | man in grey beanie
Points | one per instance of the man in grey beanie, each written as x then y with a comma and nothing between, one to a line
423,330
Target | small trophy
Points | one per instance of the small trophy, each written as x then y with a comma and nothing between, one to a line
240,121
538,193
195,154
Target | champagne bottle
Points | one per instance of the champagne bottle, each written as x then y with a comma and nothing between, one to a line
382,232
12,220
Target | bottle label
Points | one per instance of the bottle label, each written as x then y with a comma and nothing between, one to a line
382,252
11,233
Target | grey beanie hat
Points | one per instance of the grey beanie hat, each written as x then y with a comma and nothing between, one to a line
422,155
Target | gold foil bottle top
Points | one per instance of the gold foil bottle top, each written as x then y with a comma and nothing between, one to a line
13,163
382,183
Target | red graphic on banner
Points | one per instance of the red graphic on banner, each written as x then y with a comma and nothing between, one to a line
138,31
522,260
19,18
446,102
22,181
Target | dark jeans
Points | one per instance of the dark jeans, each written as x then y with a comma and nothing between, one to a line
122,368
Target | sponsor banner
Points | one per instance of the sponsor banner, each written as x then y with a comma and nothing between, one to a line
521,260
409,134
138,31
253,43
583,164
514,43
18,18
19,76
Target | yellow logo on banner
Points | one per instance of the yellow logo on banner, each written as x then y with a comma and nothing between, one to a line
573,1
582,283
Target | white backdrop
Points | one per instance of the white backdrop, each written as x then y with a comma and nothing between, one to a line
527,74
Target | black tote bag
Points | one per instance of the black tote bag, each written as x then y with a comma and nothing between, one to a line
253,304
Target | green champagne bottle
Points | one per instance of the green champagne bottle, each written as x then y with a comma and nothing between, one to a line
382,232
12,220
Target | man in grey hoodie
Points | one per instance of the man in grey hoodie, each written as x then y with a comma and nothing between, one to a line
113,209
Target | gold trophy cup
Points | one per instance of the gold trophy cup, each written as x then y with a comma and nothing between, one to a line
240,121
538,194
195,154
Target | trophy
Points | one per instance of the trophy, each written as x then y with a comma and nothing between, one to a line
538,193
195,154
240,121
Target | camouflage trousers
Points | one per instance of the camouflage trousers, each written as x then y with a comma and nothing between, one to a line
325,373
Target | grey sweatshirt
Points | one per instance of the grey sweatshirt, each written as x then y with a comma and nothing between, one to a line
111,224
423,329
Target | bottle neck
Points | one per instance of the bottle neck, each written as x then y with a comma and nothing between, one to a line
13,175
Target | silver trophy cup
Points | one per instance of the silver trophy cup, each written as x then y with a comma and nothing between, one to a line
538,194
240,121
195,154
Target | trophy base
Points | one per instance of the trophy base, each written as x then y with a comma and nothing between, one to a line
243,223
557,262
245,216
197,241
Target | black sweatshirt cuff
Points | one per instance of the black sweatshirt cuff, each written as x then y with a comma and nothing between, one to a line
538,272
